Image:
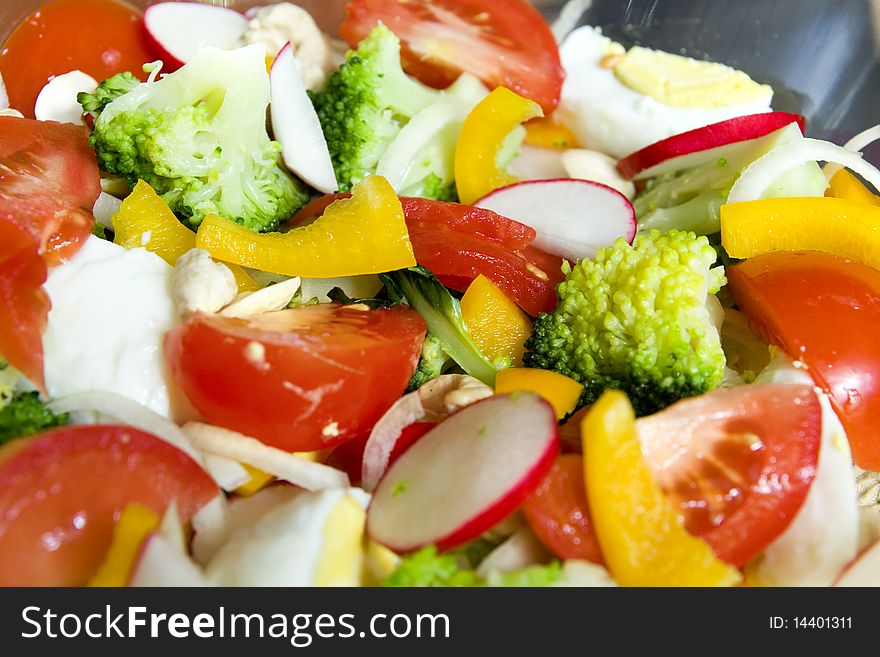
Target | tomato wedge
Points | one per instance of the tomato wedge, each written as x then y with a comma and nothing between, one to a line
459,242
503,42
49,181
61,493
300,379
559,514
824,311
738,461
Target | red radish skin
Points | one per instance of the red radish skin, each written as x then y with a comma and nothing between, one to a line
513,437
571,217
660,156
176,30
864,570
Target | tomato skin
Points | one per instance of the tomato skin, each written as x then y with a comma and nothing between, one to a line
559,514
61,493
824,311
738,461
99,37
301,379
503,42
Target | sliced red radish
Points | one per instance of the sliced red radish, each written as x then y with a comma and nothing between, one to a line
162,564
466,475
296,125
864,569
763,172
696,147
573,218
178,30
57,100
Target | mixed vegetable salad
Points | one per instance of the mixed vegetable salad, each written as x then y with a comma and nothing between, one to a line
456,299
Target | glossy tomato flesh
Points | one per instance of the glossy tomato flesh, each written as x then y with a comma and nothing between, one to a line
98,37
559,514
503,42
300,379
61,493
824,311
737,461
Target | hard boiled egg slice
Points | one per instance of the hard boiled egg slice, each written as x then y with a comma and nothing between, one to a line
618,102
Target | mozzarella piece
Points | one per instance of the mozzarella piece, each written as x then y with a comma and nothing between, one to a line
607,116
824,535
201,285
57,100
111,308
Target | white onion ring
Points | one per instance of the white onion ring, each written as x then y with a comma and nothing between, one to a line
857,144
760,174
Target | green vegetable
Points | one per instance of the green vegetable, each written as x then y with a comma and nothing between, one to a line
432,362
442,314
25,415
108,91
636,319
102,231
377,119
427,568
691,199
198,137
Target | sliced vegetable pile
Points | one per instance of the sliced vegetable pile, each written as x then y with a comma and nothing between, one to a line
458,306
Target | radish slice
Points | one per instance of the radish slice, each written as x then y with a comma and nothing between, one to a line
573,218
864,569
178,30
276,462
161,564
857,143
465,476
761,174
57,100
296,125
696,147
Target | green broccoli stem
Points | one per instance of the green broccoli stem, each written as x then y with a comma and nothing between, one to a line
442,314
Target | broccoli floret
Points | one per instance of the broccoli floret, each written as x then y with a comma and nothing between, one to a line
427,568
25,415
431,363
442,314
635,318
377,119
198,137
108,91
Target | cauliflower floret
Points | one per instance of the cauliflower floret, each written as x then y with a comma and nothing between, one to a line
275,25
200,284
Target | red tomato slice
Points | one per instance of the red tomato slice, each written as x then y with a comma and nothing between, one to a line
98,37
559,514
24,305
301,379
61,493
49,182
737,461
459,242
824,311
503,42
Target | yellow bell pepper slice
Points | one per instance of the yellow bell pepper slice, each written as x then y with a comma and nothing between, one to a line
364,234
831,225
561,391
845,185
639,529
481,138
546,133
495,323
135,524
145,220
258,481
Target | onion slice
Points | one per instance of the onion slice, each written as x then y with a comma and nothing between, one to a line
281,464
857,144
760,174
